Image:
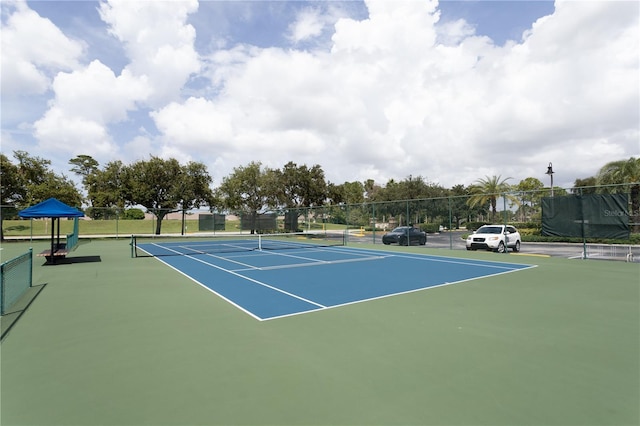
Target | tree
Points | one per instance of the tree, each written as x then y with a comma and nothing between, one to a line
84,166
371,189
195,188
414,197
488,190
42,183
155,184
108,187
56,186
32,181
346,204
458,196
32,169
529,191
353,192
299,186
105,187
584,186
13,190
248,190
625,173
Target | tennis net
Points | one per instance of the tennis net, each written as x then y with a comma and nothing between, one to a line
188,245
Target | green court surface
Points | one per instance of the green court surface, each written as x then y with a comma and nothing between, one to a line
111,340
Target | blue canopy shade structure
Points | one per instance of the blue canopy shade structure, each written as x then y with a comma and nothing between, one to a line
50,208
55,209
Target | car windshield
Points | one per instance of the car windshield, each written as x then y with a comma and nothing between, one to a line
490,230
400,229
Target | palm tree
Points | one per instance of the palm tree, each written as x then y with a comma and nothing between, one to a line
627,174
488,190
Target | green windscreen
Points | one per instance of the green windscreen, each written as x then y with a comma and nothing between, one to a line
15,278
587,216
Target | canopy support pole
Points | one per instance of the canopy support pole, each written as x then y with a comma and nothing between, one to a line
53,227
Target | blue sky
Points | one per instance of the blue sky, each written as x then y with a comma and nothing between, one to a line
451,91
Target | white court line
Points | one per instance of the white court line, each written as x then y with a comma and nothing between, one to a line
319,262
498,264
226,259
250,279
492,264
415,290
258,282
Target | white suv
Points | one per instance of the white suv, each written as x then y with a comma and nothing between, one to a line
494,237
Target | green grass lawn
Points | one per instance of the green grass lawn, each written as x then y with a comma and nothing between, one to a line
40,227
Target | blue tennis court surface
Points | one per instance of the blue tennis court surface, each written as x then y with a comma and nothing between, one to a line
274,284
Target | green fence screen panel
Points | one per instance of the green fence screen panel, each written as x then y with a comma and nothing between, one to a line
586,216
15,279
211,222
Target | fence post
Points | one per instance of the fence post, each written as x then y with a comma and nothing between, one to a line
407,224
373,222
31,265
2,275
504,206
450,225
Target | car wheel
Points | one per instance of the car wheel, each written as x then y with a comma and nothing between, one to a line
403,241
423,242
516,248
386,243
501,248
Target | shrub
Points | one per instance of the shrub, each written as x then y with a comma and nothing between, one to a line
472,226
430,228
133,214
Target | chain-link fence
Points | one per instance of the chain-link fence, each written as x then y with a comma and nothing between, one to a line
365,222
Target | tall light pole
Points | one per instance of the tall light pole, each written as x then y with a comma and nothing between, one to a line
550,173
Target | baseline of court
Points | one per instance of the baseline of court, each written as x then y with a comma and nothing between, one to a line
275,284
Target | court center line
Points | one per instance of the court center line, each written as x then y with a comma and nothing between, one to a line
316,263
251,280
312,259
226,259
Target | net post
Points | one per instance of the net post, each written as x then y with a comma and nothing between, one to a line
132,244
259,242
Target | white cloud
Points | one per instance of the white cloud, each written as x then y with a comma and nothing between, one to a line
74,134
138,149
96,93
395,94
89,99
86,101
309,23
399,95
32,48
158,42
196,124
453,32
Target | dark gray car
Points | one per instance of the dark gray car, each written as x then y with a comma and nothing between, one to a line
405,235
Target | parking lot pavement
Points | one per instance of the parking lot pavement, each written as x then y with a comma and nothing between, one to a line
453,240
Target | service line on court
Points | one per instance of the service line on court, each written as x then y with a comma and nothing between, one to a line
275,260
295,296
316,263
497,264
